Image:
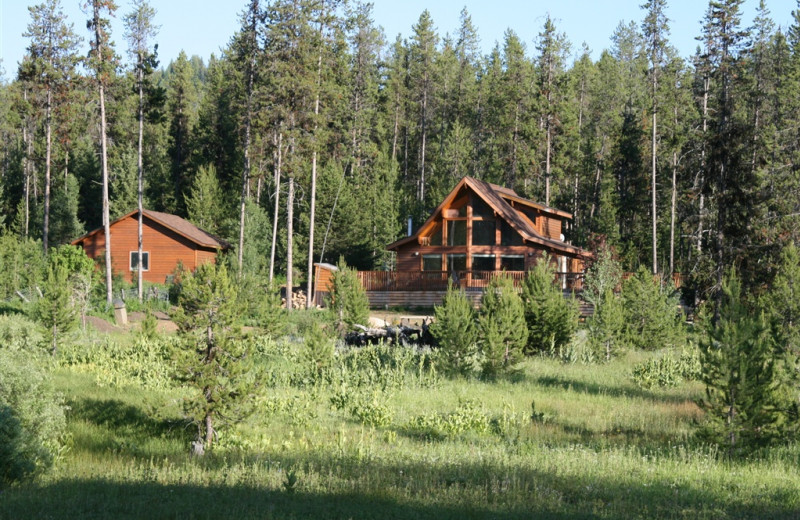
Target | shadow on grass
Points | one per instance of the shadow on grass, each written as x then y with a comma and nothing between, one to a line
598,389
125,421
382,489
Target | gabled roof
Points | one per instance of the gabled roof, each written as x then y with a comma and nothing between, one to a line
498,197
173,222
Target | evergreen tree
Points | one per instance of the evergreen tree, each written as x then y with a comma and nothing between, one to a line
204,203
181,100
501,323
455,330
53,59
551,318
54,310
214,361
140,30
652,312
348,300
739,371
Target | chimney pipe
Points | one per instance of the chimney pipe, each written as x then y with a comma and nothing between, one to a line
409,226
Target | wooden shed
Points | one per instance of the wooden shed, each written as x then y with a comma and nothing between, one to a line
166,240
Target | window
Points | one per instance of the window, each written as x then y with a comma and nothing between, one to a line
134,263
483,233
481,209
509,237
512,262
436,236
456,262
431,262
456,232
483,262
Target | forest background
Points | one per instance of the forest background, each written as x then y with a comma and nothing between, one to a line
311,118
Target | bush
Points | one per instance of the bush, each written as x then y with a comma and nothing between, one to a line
502,327
652,313
19,333
551,318
668,370
32,419
456,332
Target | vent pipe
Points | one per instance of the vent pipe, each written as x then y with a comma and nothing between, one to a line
410,221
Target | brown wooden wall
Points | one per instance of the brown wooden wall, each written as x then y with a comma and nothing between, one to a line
166,249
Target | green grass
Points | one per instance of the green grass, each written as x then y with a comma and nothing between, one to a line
599,447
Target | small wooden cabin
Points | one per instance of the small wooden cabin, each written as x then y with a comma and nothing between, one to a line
166,240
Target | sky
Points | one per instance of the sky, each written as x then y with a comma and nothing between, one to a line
203,27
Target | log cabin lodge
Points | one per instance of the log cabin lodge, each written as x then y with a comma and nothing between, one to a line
478,231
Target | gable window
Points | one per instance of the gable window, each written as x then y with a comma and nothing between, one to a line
483,232
134,262
509,236
456,232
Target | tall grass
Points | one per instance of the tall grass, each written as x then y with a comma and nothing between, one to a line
553,441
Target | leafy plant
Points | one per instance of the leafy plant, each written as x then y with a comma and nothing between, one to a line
32,420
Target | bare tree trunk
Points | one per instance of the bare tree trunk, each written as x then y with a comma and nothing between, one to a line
672,212
312,209
246,168
289,242
275,214
421,193
103,157
48,152
653,190
140,169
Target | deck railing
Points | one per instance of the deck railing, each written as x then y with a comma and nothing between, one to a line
438,280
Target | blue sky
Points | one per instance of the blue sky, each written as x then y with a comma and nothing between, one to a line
202,27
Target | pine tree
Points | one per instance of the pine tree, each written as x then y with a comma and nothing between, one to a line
739,371
140,30
214,361
203,203
103,62
501,323
455,330
53,59
551,318
348,300
54,310
652,312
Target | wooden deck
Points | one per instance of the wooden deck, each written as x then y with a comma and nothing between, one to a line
421,281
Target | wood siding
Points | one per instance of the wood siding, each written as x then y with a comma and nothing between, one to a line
165,247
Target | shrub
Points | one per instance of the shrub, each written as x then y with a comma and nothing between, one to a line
55,310
456,332
551,318
668,370
19,333
348,301
652,313
318,352
32,419
502,327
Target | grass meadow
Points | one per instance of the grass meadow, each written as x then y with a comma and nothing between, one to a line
383,435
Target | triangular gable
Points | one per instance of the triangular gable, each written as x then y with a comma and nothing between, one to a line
495,196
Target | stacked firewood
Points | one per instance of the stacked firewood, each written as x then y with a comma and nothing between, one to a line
299,300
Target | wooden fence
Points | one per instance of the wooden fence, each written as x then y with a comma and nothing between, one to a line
374,281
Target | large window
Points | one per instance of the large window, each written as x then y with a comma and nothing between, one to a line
436,236
512,262
456,262
431,262
509,236
483,262
456,232
134,262
483,233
